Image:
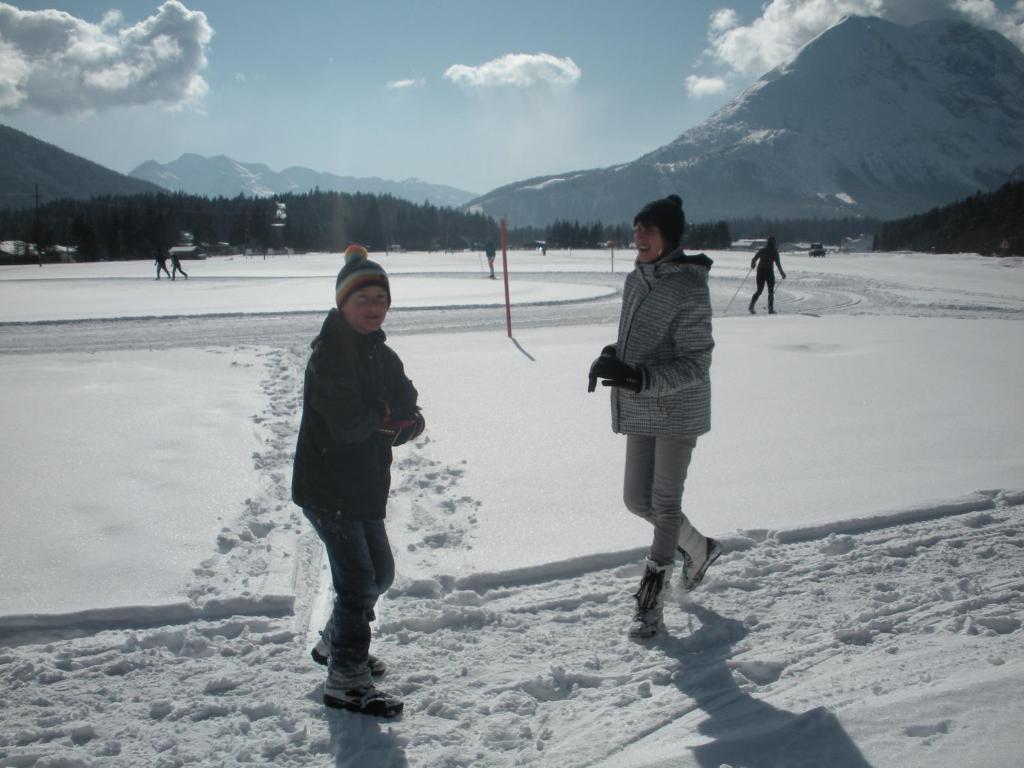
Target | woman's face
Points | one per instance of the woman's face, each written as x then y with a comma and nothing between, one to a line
649,243
366,309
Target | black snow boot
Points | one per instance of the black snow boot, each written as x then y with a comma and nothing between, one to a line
650,600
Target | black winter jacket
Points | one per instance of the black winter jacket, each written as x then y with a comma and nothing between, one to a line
342,460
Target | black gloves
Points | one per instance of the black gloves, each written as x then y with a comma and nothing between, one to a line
401,431
614,372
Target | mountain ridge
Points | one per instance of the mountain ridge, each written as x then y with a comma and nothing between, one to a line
869,119
223,176
28,163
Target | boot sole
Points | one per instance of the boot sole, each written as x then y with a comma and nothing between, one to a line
374,708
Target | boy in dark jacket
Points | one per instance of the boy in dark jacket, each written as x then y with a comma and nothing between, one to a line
357,404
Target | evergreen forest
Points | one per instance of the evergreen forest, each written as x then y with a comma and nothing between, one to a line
989,223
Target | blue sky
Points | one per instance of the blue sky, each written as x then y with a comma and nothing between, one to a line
470,93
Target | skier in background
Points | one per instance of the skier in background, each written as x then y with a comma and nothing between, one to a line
161,263
659,372
490,251
766,259
357,404
176,265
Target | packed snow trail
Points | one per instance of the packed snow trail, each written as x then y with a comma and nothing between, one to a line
800,649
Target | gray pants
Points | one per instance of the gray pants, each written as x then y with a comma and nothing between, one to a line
653,489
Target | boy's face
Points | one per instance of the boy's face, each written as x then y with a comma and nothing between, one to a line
366,309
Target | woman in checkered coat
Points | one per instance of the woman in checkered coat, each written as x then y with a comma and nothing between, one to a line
658,372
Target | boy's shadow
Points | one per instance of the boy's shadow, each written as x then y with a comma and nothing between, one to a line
741,729
358,741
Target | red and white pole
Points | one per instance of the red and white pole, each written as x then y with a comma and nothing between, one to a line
504,269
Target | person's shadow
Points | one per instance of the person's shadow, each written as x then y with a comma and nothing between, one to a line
359,741
741,729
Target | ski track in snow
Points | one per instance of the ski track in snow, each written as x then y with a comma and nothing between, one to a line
805,292
772,635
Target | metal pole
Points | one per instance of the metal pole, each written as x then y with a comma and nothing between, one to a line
737,290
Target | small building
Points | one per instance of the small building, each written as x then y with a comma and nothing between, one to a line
748,244
859,244
186,252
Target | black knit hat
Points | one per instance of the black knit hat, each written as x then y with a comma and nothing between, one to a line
667,215
357,273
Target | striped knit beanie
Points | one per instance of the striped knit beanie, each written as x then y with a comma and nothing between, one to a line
357,273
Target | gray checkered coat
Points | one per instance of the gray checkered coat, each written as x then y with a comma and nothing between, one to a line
665,330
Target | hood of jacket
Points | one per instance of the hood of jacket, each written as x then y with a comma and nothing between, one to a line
679,257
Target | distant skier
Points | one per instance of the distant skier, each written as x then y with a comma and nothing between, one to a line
176,265
766,259
161,263
357,403
659,371
490,251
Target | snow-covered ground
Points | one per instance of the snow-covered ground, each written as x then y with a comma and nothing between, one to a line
160,590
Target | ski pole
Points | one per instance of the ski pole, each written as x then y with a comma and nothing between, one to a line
737,290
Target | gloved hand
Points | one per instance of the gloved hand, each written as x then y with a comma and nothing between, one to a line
614,372
401,431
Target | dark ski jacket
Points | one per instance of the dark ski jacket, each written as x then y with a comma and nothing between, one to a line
765,260
342,459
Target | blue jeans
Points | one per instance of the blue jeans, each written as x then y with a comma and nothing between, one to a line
362,569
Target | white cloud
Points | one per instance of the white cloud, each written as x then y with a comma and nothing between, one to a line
724,19
517,69
984,13
705,86
55,62
785,25
408,83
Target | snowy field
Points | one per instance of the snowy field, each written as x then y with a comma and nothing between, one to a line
864,470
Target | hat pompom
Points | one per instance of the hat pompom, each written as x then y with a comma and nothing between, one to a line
356,252
675,199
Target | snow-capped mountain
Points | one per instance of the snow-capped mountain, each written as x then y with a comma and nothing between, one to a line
870,118
223,176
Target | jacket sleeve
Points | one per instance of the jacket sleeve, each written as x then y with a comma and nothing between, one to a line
690,334
403,394
337,399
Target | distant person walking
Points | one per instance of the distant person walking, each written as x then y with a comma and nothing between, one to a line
161,263
766,259
490,251
659,374
357,404
176,265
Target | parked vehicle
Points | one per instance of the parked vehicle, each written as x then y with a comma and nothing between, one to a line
816,249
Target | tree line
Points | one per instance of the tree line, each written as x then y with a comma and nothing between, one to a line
805,230
573,234
989,223
136,226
